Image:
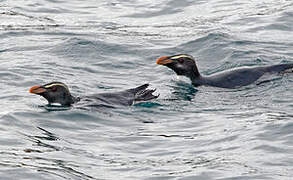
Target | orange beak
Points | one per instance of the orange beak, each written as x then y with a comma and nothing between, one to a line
164,60
37,90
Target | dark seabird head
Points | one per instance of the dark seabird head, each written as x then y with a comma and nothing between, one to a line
181,64
54,92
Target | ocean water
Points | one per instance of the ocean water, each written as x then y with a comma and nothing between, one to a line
188,133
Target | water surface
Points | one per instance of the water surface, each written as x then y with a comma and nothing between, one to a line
105,46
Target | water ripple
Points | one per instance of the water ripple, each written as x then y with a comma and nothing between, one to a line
187,133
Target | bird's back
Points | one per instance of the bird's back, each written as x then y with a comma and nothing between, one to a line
235,77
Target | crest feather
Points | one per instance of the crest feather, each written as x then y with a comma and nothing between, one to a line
55,84
181,56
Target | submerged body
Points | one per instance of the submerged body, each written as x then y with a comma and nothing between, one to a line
121,98
185,65
57,92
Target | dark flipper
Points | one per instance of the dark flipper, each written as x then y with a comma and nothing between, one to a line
141,93
280,68
139,88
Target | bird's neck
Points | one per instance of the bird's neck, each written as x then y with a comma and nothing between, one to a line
69,100
74,99
196,77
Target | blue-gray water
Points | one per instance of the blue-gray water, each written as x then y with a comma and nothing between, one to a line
104,46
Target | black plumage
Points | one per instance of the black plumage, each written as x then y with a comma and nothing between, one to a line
58,92
184,64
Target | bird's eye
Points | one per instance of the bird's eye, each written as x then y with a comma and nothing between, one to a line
54,88
181,60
